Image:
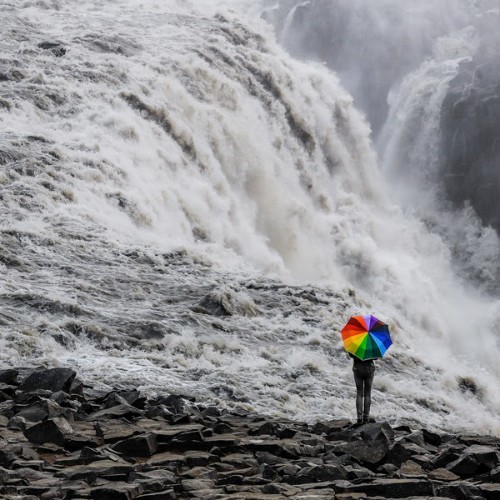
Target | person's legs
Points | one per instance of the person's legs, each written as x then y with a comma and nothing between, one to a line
358,380
367,399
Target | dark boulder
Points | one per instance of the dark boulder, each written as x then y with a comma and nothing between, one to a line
443,475
495,475
17,423
116,491
367,452
274,429
447,455
475,459
119,411
8,377
53,430
374,432
9,453
461,490
226,302
387,488
321,473
137,446
432,438
56,48
489,491
369,443
52,379
40,410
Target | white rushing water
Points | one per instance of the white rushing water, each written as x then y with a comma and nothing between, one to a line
174,150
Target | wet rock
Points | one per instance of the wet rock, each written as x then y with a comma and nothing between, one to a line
101,468
399,453
285,490
432,438
123,410
56,48
321,473
339,430
155,480
131,456
489,491
53,430
9,453
8,377
380,431
411,469
169,494
76,387
40,410
447,455
116,491
476,458
222,428
113,430
52,379
17,423
138,446
495,475
274,429
285,448
167,458
370,453
393,488
443,475
356,472
226,302
461,490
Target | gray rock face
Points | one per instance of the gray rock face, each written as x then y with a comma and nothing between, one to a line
470,146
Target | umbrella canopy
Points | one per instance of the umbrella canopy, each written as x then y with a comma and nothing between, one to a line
366,337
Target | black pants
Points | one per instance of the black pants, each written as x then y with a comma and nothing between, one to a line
363,377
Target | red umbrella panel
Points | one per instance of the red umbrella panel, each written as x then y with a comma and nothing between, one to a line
366,337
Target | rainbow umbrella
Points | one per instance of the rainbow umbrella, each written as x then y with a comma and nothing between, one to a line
366,337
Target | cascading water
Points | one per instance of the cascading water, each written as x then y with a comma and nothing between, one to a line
156,154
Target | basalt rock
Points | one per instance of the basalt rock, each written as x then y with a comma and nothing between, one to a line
116,446
52,379
56,48
8,377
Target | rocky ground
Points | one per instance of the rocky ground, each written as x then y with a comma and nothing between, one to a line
61,440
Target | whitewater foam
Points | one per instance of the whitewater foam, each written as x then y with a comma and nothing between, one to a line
168,155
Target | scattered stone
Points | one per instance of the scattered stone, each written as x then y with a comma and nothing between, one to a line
53,430
476,458
121,445
411,469
321,473
443,475
17,423
41,410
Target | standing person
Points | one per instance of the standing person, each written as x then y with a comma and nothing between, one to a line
365,338
363,377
